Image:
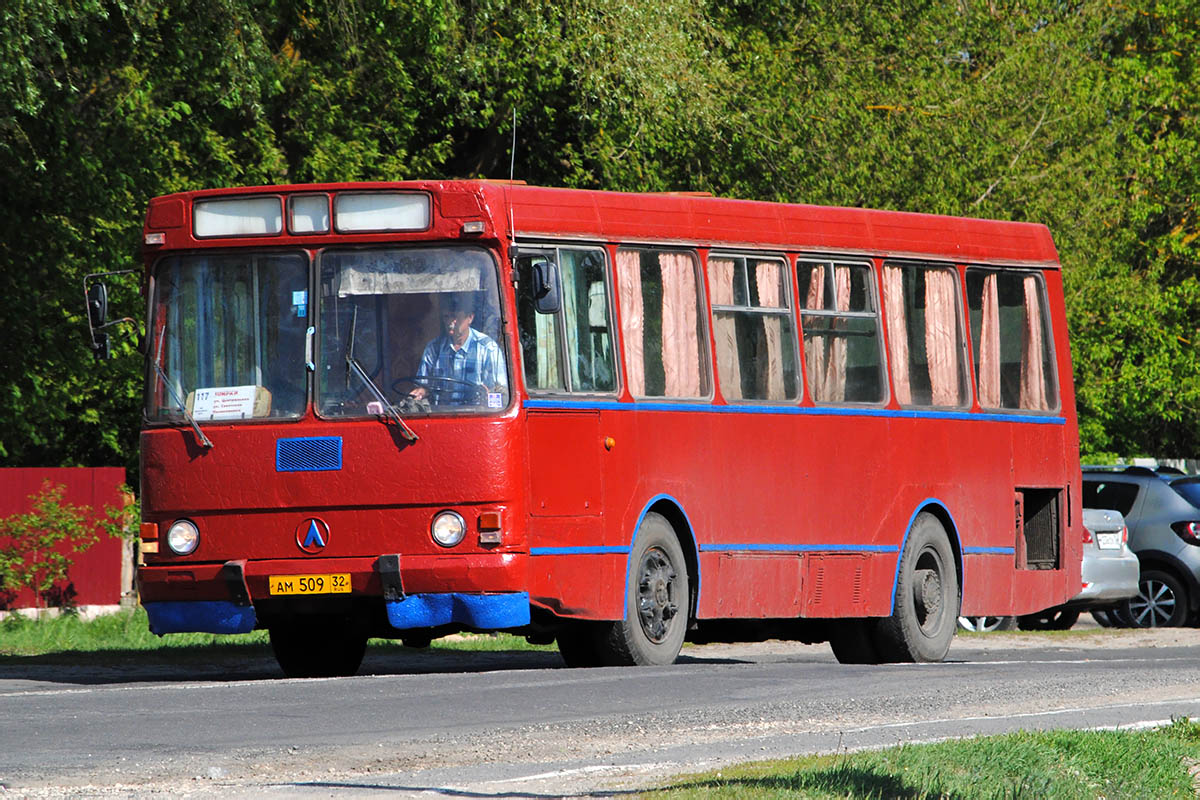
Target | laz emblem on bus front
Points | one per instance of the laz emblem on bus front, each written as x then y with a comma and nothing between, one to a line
312,535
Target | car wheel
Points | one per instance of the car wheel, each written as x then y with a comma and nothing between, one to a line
657,601
1161,602
853,641
926,604
1053,620
579,645
987,624
318,648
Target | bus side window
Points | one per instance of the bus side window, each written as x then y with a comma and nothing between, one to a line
541,340
925,335
840,321
662,323
1011,344
586,317
752,327
571,350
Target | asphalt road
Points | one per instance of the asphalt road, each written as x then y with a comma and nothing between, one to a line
520,725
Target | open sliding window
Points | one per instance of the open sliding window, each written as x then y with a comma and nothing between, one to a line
1012,347
752,327
843,351
571,350
662,323
926,347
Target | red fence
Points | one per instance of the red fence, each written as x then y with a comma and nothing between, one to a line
96,575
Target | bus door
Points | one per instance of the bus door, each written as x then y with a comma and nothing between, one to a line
568,361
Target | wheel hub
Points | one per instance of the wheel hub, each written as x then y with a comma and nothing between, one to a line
656,595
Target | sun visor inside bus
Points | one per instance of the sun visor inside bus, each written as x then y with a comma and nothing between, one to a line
355,280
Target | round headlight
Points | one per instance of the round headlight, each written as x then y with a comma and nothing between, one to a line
183,537
448,528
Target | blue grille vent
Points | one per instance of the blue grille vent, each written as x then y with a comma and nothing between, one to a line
308,454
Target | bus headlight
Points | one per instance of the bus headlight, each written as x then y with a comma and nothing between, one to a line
183,537
448,528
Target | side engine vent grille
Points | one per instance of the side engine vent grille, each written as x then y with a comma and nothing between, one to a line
308,454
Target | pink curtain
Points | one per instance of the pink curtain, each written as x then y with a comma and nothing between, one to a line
833,390
893,309
1033,376
629,283
729,368
989,345
814,346
941,336
681,346
769,277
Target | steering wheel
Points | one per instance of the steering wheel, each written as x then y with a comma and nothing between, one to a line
447,384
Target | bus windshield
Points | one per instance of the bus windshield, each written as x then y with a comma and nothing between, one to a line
228,336
421,323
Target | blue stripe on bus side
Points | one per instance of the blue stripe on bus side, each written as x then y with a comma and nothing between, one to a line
613,405
799,548
990,551
578,551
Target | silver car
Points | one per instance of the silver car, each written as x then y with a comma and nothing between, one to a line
1110,572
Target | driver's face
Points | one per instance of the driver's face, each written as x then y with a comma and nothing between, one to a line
457,324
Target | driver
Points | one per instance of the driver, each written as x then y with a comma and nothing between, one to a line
464,354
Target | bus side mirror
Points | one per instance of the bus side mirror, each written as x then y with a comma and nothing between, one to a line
547,292
97,305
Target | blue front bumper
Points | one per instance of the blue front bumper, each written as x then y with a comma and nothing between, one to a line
477,611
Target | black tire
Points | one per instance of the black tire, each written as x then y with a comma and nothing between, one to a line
925,611
1061,619
318,648
1161,602
657,601
853,641
579,644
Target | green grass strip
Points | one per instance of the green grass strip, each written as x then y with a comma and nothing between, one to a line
1052,765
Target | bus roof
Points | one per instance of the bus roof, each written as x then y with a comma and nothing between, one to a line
695,220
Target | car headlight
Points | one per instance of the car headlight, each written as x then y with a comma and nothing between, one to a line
448,528
183,537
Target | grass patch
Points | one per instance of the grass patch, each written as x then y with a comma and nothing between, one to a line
128,634
1056,765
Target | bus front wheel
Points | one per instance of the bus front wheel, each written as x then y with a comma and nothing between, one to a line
318,647
657,600
925,610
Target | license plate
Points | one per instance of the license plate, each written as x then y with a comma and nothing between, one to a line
1108,541
337,583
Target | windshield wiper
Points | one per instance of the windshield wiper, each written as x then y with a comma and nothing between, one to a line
162,376
352,364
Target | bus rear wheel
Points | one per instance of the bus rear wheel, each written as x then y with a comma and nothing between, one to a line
318,647
657,601
925,610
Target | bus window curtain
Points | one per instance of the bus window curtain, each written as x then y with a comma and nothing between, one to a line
680,343
814,346
1033,376
629,277
770,295
834,390
547,351
893,309
729,368
989,344
941,337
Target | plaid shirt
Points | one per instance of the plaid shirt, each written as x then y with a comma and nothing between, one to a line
478,361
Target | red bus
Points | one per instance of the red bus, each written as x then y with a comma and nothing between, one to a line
617,421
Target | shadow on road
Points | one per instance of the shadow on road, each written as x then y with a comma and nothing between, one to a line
256,663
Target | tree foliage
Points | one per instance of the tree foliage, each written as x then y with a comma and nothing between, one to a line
1080,115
